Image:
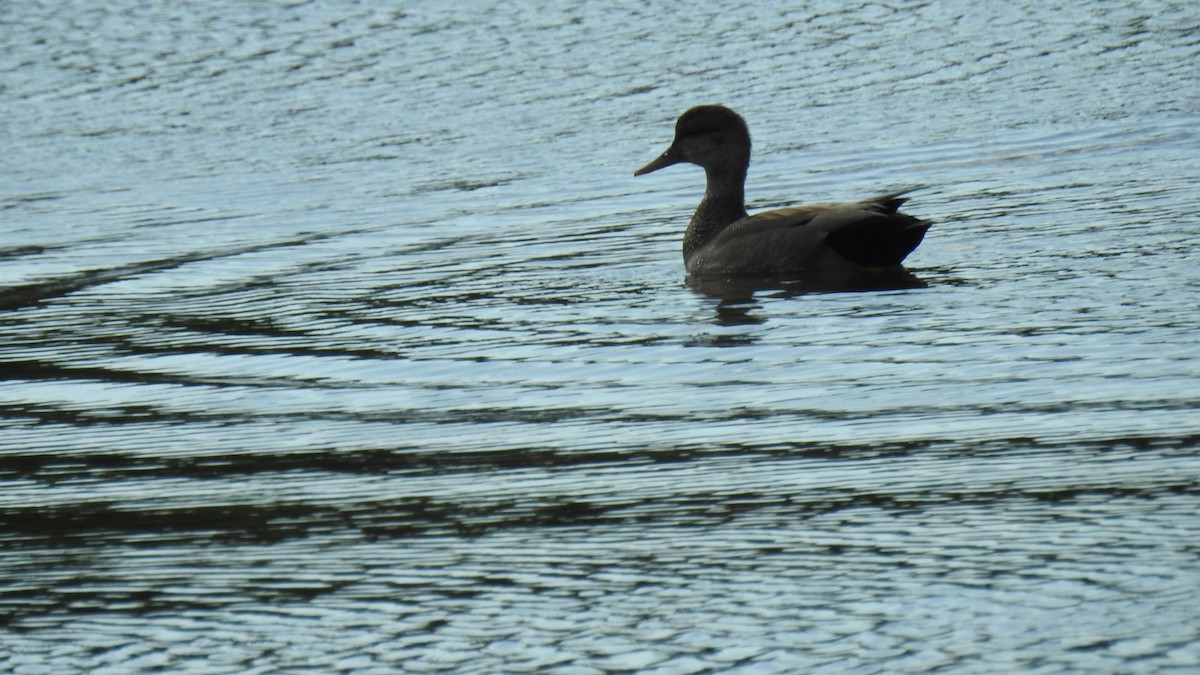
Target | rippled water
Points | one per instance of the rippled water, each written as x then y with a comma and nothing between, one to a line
340,338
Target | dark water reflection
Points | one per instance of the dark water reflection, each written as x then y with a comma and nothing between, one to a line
735,295
337,338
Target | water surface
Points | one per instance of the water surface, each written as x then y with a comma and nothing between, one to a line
340,338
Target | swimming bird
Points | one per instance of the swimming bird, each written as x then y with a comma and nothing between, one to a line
722,239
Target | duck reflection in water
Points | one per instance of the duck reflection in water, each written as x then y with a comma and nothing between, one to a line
736,293
825,247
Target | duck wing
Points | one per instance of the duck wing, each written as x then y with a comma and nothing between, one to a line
870,233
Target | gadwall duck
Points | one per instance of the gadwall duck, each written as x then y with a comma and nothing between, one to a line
722,239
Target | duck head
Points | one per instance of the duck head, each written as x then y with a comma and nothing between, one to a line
711,136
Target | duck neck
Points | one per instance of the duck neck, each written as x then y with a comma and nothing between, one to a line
724,203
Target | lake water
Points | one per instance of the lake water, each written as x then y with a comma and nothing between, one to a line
337,337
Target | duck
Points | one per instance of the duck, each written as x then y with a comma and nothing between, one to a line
722,239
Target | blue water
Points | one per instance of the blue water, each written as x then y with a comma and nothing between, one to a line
340,338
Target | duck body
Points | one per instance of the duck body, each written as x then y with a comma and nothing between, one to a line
722,239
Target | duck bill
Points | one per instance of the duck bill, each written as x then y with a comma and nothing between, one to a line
666,159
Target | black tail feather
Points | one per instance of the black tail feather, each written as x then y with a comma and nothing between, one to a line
880,241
